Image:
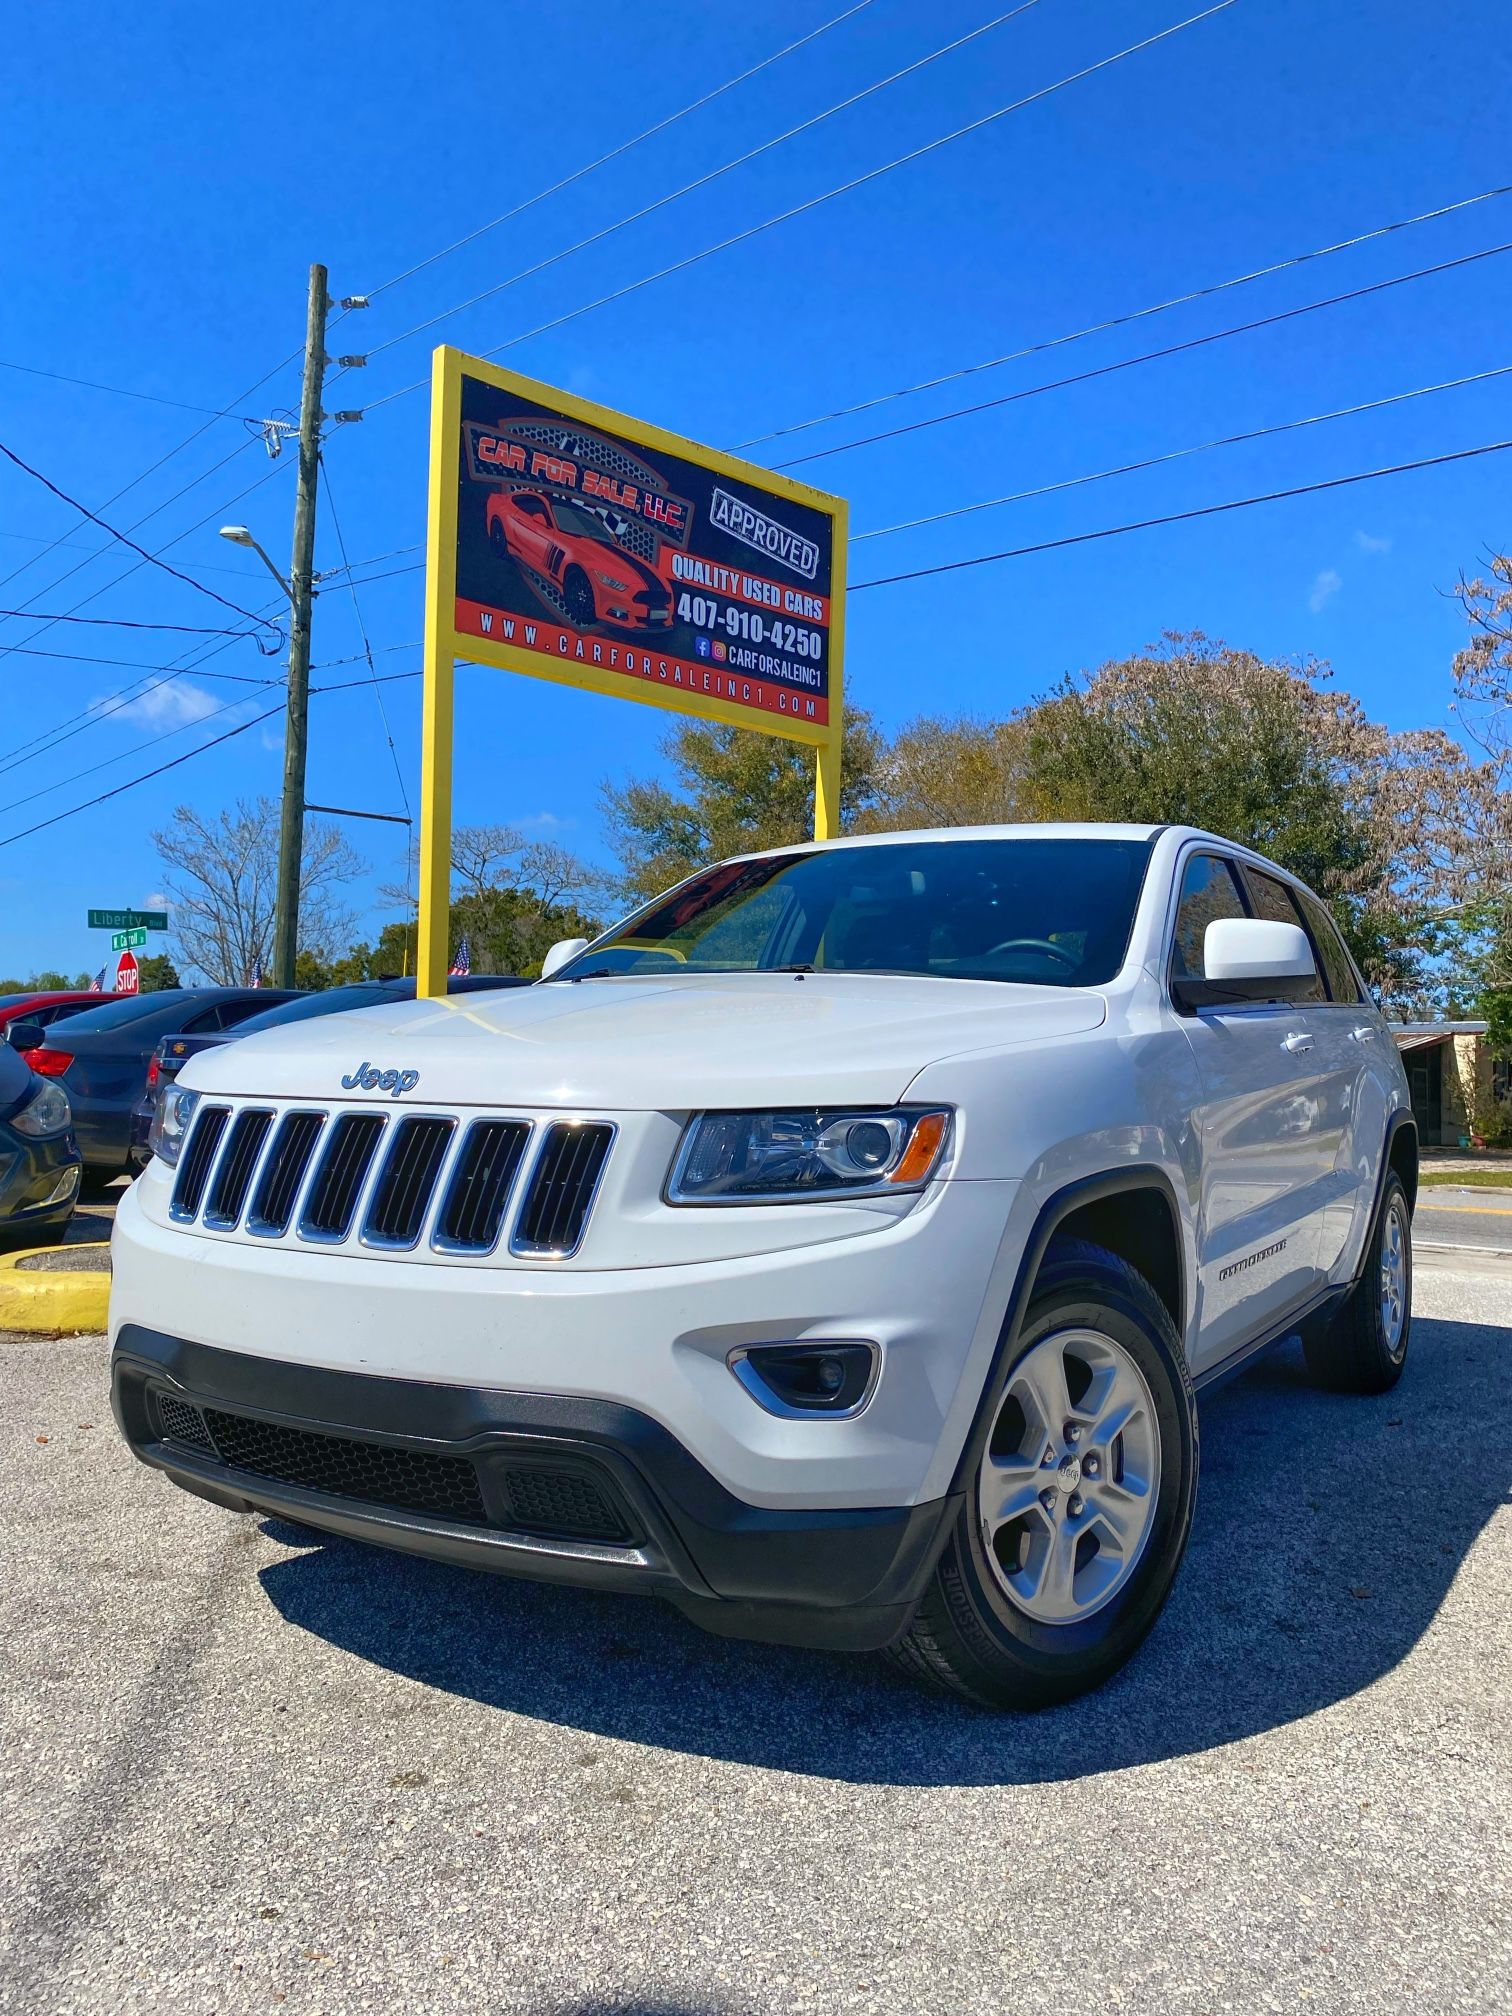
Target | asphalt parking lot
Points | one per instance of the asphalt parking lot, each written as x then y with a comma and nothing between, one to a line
245,1769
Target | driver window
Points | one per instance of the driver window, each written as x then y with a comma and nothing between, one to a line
1209,890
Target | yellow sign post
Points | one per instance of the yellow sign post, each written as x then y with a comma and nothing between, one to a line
569,542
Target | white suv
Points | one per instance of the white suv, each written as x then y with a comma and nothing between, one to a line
834,1248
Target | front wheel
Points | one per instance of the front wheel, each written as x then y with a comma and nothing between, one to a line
578,596
1083,1476
1364,1347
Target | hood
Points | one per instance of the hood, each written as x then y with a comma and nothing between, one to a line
704,1040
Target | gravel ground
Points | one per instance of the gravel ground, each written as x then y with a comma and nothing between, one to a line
243,1768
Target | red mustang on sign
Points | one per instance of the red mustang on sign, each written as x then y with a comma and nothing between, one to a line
599,582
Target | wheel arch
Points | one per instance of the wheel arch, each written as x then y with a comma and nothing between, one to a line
1123,1210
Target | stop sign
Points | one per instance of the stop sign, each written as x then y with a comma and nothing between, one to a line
126,974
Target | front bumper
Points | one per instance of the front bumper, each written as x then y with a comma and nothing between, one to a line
545,1486
32,1175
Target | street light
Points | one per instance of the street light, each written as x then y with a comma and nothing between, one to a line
240,536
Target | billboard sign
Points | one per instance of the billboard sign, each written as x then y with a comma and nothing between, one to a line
605,553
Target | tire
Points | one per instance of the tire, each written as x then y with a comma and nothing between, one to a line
498,538
981,1630
578,596
1364,1347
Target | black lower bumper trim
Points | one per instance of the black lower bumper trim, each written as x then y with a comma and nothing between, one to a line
844,1579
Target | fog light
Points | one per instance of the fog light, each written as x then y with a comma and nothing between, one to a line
795,1379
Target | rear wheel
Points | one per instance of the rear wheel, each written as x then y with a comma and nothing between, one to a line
1364,1347
1079,1502
498,539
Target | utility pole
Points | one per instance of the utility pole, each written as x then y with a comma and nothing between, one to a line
301,581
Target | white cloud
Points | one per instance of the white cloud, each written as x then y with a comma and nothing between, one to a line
541,822
1324,589
172,704
1368,543
272,739
155,901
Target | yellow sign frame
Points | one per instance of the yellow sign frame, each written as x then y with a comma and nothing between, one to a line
445,644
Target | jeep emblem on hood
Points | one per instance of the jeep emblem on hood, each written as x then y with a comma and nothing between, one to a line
368,1078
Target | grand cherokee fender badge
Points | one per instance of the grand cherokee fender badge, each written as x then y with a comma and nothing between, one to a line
368,1078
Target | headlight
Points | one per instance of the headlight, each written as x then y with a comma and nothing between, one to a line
46,1112
777,1158
610,582
170,1123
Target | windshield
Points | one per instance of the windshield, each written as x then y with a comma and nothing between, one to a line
1053,913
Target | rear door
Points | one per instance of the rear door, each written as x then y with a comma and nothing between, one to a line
1331,1068
1255,1140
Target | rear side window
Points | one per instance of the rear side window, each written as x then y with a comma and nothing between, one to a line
1209,890
1337,968
1275,901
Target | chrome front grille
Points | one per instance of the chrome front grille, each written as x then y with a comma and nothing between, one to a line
392,1182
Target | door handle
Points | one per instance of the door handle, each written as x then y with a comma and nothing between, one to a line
1298,1040
1364,1034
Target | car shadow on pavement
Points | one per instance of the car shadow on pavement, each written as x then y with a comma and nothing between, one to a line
1328,1531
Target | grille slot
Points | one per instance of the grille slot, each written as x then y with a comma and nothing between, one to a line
183,1423
445,1487
194,1166
402,1194
563,1501
478,1193
562,1188
283,1173
348,1157
233,1177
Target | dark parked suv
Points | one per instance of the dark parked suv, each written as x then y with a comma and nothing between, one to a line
101,1058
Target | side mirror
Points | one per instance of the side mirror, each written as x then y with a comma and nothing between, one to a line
26,1035
1249,959
563,950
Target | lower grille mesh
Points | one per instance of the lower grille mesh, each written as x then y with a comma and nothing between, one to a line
445,1487
562,1501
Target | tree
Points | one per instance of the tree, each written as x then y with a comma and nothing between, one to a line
220,876
49,983
735,791
512,899
155,972
1482,674
951,773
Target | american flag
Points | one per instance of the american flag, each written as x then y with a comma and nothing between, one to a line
97,985
461,966
257,973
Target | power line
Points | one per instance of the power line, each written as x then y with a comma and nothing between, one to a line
1178,454
841,189
153,467
132,782
1145,357
122,392
367,648
114,581
123,755
133,623
1182,517
703,181
109,704
121,537
1119,321
624,147
89,658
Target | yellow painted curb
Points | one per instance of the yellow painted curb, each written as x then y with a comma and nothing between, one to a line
48,1304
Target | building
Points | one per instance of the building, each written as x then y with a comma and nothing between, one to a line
1456,1084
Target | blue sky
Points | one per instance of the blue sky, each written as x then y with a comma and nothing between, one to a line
173,171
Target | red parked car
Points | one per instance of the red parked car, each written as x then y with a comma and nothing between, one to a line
599,582
42,1010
